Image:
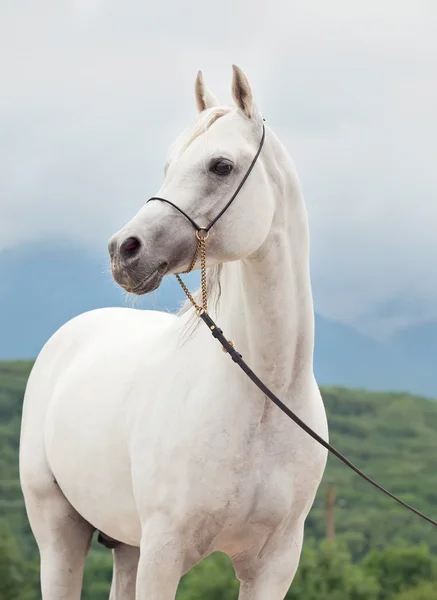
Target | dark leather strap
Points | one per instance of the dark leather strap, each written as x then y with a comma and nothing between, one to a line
238,359
192,221
242,182
234,195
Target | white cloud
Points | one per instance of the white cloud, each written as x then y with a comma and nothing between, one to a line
93,93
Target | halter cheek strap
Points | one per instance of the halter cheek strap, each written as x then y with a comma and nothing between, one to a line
228,204
202,234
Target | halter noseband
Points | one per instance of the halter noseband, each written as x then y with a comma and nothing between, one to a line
202,234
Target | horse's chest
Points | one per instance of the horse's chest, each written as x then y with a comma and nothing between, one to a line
234,505
239,479
218,459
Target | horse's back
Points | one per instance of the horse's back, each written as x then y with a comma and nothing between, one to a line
79,383
112,324
97,331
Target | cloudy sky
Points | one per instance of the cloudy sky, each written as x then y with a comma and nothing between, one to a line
94,92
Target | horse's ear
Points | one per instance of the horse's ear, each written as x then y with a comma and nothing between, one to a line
204,97
242,92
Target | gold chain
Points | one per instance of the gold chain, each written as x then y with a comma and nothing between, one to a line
202,244
201,248
193,262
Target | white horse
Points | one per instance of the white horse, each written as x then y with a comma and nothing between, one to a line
136,423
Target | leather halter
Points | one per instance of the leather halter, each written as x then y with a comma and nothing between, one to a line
202,234
197,227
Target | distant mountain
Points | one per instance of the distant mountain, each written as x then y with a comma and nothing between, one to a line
44,284
345,357
419,342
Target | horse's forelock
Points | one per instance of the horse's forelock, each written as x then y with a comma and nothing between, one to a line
199,126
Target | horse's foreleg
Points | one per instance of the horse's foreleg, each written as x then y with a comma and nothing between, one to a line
125,572
270,576
161,562
63,539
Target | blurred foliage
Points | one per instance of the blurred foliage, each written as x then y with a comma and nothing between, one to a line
427,590
326,571
381,551
19,578
401,569
213,579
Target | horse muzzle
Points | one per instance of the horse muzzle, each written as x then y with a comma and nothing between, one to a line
131,269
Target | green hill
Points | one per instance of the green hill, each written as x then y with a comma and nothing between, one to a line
393,437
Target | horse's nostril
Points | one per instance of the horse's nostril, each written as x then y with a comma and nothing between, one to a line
112,247
130,248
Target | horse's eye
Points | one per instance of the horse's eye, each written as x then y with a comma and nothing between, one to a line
222,166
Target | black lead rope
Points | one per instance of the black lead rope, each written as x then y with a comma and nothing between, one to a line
238,359
202,234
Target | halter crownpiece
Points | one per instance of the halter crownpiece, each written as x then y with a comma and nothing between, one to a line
202,234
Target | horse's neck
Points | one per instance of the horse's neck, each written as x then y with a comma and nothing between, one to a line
266,303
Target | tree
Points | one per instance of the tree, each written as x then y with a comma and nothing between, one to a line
18,579
425,591
399,569
98,575
212,579
327,572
